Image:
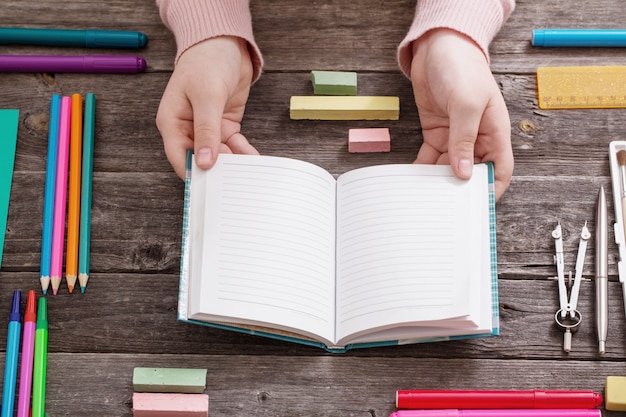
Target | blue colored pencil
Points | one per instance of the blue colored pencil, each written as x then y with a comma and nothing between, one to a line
84,245
49,192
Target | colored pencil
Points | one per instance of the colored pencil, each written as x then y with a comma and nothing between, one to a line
73,208
60,203
49,192
40,360
28,350
85,194
12,355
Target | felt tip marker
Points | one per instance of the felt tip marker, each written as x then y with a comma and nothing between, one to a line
40,359
498,413
607,38
503,399
12,354
97,64
28,350
91,38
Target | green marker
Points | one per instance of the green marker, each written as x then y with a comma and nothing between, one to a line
40,359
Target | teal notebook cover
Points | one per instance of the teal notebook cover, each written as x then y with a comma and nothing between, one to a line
9,120
184,285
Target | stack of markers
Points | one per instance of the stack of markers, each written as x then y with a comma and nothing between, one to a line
33,359
70,143
511,403
92,38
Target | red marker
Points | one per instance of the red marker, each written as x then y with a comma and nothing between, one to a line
423,399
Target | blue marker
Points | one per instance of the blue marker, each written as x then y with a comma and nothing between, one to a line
13,348
601,38
49,192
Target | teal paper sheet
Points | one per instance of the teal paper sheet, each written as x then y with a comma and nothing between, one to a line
9,120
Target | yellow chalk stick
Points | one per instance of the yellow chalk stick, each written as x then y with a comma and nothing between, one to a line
615,393
345,108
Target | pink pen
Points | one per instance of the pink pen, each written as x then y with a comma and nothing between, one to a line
58,229
28,349
530,412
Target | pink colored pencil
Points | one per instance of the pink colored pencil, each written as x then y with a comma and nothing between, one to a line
60,204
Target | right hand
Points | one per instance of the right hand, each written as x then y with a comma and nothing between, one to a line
204,101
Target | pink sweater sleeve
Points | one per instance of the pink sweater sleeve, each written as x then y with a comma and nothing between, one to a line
192,21
480,20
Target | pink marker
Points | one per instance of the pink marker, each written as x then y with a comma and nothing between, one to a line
530,412
58,230
28,350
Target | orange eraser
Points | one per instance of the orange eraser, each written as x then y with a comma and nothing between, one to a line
147,404
369,140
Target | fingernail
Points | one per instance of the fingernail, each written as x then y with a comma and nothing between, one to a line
204,156
465,168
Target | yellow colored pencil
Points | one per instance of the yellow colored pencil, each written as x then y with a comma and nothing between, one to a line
73,207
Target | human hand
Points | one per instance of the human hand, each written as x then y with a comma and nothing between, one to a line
461,109
204,101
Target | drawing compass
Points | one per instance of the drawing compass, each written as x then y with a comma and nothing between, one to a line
568,317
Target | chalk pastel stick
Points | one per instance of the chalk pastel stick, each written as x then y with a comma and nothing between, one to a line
169,380
146,404
344,108
615,393
369,140
334,83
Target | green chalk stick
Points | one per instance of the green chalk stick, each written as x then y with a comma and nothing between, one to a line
334,83
181,380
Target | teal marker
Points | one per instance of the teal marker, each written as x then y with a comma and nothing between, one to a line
90,38
592,38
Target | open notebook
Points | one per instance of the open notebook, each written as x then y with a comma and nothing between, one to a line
388,254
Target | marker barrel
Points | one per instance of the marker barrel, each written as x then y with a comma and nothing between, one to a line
609,38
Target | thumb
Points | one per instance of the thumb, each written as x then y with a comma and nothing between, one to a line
463,133
207,121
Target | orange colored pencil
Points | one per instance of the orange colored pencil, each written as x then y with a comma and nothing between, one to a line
73,206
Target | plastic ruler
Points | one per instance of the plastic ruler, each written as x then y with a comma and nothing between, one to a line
584,87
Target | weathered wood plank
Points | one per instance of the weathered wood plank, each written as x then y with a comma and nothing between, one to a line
136,313
242,385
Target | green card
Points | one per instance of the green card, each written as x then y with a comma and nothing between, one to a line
9,120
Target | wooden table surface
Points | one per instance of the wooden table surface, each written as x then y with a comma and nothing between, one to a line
127,316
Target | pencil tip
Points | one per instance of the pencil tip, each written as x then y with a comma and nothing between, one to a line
82,290
70,288
45,292
54,292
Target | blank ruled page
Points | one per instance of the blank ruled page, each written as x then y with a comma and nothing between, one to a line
402,246
268,249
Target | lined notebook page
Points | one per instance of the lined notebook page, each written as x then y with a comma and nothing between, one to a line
402,246
268,249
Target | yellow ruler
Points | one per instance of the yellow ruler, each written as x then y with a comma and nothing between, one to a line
587,87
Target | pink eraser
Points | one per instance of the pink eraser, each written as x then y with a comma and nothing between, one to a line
369,140
147,404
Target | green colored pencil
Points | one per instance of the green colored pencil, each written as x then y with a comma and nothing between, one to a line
85,192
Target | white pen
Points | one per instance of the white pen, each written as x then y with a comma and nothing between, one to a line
602,276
